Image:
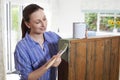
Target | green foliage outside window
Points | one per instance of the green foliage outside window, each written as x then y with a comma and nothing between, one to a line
15,17
118,22
104,24
91,20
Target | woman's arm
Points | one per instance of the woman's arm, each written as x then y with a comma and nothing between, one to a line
53,62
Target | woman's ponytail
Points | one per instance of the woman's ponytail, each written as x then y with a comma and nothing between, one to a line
24,28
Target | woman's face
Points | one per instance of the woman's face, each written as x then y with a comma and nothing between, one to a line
38,22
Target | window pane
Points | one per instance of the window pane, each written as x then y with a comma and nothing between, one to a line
15,12
15,31
107,23
91,20
118,23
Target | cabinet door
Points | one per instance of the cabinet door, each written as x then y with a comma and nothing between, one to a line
77,63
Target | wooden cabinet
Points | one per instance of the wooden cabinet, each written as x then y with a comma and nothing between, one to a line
90,59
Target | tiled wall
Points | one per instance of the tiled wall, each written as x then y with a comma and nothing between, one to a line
2,71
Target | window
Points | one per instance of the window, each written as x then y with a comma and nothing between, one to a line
102,21
13,34
104,26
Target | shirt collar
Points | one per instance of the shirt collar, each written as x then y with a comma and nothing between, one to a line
33,43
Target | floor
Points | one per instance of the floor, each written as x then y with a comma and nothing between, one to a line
16,77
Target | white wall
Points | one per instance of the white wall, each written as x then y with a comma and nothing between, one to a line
101,4
27,1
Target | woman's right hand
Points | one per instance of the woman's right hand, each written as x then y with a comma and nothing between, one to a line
54,61
57,61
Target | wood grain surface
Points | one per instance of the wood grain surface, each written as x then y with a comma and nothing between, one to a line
91,59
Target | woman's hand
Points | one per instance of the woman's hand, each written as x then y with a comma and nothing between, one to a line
57,61
54,61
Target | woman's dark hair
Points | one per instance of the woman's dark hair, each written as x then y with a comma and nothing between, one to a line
28,10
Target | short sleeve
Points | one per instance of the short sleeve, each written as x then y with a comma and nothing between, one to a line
22,62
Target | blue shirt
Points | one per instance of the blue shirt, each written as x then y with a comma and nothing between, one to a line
29,55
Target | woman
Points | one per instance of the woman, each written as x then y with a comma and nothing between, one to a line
36,55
